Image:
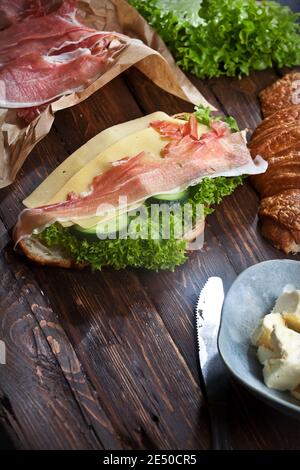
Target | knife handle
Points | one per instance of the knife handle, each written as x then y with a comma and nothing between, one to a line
219,426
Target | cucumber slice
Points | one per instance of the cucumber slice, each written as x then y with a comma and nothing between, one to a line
103,229
172,197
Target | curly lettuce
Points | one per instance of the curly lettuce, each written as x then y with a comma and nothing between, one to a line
225,37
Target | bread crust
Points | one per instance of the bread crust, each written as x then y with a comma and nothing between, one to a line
280,215
279,95
40,254
283,173
283,138
279,236
280,118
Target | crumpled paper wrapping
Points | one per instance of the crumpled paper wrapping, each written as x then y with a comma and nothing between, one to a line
151,57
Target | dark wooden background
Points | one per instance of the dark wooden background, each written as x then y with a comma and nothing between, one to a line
107,360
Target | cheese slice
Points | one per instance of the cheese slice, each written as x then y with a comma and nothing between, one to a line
96,156
46,191
148,140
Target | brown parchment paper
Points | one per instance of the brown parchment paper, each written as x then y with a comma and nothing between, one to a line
150,56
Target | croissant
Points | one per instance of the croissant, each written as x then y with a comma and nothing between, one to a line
277,139
280,94
281,220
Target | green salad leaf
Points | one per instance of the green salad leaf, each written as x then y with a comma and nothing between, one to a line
184,10
211,38
149,254
204,116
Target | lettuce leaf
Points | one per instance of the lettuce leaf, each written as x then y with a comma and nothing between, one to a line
204,116
185,10
225,37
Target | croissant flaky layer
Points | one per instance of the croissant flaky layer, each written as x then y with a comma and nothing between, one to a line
277,139
281,94
281,220
283,117
283,174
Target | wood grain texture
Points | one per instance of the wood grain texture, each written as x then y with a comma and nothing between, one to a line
108,359
46,400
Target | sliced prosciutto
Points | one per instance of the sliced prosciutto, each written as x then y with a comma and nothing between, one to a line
13,11
29,114
43,36
175,131
37,79
142,176
45,57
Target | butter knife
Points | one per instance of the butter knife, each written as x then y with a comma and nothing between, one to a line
213,373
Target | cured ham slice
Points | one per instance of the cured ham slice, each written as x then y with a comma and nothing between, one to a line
29,114
37,79
45,57
142,176
45,35
48,27
13,11
175,130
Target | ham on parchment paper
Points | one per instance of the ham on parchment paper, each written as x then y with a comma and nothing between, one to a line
92,42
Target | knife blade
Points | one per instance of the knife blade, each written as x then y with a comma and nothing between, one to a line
214,376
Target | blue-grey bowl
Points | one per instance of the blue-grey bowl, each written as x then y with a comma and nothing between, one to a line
251,296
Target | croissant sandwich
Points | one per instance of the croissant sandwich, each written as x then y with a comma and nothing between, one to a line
96,208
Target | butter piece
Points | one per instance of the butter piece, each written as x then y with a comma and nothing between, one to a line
264,354
288,304
283,373
262,334
278,340
292,320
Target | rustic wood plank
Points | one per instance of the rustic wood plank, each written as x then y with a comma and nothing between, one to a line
46,400
67,133
45,157
175,294
239,98
244,244
126,351
79,330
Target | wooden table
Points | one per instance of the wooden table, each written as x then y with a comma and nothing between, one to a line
107,360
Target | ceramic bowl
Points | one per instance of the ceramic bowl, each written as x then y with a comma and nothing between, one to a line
251,296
